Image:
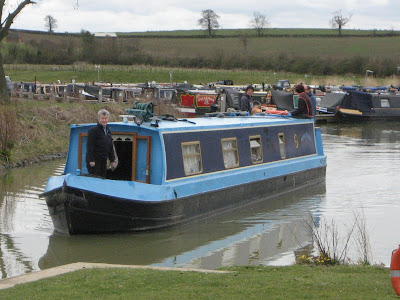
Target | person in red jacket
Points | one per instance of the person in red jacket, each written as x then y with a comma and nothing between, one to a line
304,108
99,146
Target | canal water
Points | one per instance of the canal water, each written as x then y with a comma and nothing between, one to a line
362,180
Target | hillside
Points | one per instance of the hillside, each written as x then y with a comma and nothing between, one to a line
302,51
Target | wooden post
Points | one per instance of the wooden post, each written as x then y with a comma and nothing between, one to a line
13,90
100,95
223,102
81,96
30,93
21,90
65,94
52,93
120,97
39,92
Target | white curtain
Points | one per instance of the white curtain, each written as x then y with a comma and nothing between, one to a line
230,153
282,146
191,158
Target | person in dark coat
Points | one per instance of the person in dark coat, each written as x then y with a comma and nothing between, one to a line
310,94
246,102
304,108
100,146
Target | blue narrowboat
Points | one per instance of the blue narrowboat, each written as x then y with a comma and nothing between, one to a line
172,171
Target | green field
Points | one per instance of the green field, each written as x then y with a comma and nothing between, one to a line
316,47
135,74
311,46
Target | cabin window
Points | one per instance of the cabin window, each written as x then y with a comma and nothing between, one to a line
296,141
385,103
230,153
282,145
167,95
256,149
191,153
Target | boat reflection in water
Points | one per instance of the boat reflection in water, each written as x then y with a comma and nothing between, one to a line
366,133
253,234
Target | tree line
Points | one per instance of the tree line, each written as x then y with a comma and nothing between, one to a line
260,22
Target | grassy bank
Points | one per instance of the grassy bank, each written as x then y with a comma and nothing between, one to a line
133,74
293,282
41,128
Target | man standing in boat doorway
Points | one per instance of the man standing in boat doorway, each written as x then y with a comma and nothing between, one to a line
100,146
304,108
246,102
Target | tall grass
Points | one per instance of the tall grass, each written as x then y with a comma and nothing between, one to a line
8,122
141,73
361,239
333,244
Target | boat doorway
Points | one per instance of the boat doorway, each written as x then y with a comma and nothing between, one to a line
133,154
123,145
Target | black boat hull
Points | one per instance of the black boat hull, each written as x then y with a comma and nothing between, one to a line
79,212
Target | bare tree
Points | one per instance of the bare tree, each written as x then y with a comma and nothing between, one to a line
259,22
339,20
208,21
50,23
4,29
76,5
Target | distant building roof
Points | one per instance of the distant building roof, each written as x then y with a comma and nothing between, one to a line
105,34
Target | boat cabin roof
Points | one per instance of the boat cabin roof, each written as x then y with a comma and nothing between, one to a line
205,123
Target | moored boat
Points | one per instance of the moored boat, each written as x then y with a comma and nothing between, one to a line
193,102
361,106
358,106
173,171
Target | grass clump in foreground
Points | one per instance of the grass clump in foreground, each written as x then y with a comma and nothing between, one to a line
292,282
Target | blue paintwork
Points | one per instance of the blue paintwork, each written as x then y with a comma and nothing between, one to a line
349,88
141,160
184,187
161,189
156,147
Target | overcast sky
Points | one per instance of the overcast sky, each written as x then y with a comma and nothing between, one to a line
140,15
